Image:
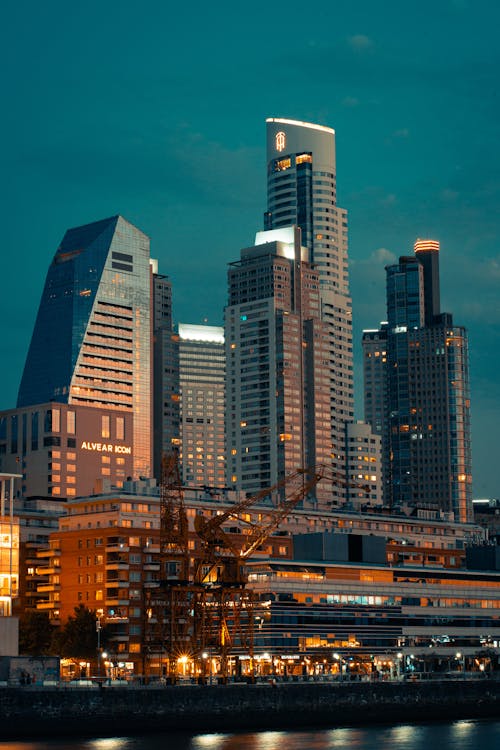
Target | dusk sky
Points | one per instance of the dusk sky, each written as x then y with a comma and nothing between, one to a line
158,114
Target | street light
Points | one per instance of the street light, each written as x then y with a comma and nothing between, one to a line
398,663
98,629
338,658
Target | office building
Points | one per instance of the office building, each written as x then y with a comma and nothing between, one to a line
91,344
278,400
427,390
65,450
165,373
301,166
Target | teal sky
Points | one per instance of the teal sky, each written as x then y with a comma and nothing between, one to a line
159,114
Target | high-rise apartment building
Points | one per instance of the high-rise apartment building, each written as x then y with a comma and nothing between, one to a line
427,391
202,361
376,413
363,469
277,358
90,352
301,183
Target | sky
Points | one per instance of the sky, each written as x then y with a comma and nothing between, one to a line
158,114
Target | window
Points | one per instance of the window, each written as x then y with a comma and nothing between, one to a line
105,426
70,422
120,428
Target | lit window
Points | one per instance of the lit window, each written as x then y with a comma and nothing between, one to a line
105,426
120,428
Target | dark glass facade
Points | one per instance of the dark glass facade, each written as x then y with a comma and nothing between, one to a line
428,401
91,343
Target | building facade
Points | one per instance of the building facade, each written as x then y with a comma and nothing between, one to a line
427,444
66,450
91,344
301,189
363,465
278,400
202,370
165,373
375,396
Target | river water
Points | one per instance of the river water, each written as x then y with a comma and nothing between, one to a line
457,735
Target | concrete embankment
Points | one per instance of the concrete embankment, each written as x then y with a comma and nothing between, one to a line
51,712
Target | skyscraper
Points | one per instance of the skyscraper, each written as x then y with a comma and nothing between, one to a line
427,390
278,398
202,372
166,413
301,183
376,412
91,344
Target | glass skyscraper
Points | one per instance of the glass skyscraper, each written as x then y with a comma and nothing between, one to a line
91,344
424,389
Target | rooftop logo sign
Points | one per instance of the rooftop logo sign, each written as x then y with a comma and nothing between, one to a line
280,141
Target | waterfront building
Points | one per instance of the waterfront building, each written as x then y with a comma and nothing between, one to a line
106,553
9,545
91,343
301,190
426,447
363,465
38,517
278,398
363,616
9,566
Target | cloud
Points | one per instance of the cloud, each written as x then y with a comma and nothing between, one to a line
360,42
402,133
350,101
383,255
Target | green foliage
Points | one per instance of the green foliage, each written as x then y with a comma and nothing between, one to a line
78,637
36,634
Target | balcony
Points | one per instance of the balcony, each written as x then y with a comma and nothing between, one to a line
117,565
46,588
116,602
154,567
117,583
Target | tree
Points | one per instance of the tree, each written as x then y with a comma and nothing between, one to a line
78,636
36,634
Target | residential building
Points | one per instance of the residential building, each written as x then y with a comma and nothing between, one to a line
278,399
202,358
363,465
106,555
301,189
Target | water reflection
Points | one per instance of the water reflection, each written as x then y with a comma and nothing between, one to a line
459,735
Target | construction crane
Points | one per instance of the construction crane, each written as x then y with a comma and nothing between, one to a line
202,601
218,549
